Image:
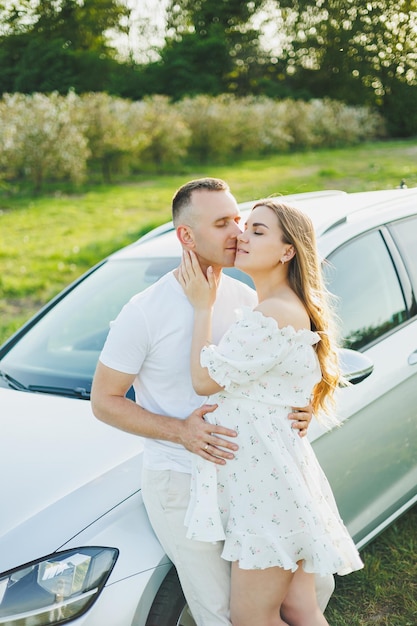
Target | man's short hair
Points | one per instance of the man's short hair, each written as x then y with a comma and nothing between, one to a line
182,197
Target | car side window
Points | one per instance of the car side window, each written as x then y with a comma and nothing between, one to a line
405,235
369,298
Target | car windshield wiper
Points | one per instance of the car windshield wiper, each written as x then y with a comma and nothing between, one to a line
12,382
76,392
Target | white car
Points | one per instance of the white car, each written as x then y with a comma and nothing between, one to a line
75,542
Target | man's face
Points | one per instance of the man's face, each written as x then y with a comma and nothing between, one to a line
214,224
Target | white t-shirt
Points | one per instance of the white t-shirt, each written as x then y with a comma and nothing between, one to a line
151,337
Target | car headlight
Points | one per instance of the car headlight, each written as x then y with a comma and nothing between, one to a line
54,589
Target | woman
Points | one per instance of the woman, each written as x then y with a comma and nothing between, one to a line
272,505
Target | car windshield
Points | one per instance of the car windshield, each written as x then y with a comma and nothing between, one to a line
61,350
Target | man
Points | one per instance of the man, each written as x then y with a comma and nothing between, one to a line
148,346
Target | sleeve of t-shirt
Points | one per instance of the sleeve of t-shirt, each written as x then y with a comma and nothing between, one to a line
127,342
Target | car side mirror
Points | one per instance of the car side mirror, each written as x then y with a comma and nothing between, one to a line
355,366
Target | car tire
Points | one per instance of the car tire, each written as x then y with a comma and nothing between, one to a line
169,607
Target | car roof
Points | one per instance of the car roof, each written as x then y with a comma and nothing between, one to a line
327,210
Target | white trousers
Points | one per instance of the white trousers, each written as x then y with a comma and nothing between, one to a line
204,575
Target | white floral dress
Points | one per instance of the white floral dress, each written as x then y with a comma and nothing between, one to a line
272,505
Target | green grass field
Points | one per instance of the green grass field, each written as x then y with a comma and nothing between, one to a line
384,593
49,240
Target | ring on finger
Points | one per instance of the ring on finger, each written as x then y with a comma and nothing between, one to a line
206,447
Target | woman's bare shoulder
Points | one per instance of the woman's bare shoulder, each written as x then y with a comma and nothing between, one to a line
287,311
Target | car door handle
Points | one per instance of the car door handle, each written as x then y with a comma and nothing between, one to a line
412,359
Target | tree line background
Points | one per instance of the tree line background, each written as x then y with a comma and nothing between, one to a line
361,55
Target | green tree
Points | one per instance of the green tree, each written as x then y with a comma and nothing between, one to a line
57,45
360,53
211,47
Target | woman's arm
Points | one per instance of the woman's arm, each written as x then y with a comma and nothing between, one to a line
201,291
202,383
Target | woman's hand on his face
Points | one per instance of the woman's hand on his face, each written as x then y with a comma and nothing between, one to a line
199,289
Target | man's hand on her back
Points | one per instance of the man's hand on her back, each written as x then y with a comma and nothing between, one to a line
206,439
301,417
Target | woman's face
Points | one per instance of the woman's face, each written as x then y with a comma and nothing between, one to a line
260,247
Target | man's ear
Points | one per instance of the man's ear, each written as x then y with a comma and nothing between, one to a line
185,237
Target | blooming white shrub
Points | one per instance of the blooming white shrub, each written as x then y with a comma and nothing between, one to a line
42,138
114,132
336,124
260,128
211,121
59,137
8,140
168,134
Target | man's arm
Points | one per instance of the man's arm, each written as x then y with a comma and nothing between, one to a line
110,405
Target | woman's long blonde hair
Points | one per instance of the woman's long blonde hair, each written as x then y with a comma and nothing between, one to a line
306,279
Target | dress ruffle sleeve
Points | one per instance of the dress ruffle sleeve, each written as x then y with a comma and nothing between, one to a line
252,346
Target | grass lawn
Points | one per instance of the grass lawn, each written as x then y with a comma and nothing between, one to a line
49,240
384,593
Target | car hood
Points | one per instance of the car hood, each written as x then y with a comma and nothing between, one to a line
55,456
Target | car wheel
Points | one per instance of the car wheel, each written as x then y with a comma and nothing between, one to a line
169,607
